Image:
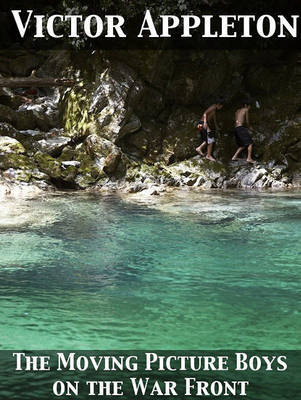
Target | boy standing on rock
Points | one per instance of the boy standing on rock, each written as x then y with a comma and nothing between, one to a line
205,126
242,136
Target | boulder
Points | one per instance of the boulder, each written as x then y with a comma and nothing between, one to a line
131,126
53,146
111,162
17,175
16,161
252,177
48,165
119,90
10,145
8,130
6,114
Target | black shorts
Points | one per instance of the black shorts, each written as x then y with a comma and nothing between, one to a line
242,136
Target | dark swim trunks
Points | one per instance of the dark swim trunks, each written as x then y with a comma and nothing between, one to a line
242,136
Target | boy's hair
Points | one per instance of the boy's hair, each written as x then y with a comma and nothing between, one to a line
220,101
246,102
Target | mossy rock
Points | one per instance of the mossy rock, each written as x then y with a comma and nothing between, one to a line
68,174
10,145
88,165
85,180
67,154
16,175
48,165
16,161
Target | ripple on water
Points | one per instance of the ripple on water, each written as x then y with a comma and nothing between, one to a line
184,271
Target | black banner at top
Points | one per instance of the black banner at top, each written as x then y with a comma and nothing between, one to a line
180,24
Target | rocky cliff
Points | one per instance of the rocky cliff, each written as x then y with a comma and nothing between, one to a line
130,122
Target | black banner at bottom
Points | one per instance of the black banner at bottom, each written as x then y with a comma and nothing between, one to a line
256,375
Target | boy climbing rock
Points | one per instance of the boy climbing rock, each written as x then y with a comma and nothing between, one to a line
242,136
207,131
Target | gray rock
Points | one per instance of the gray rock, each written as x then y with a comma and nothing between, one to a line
133,125
119,89
207,185
278,171
189,181
251,178
10,145
200,180
66,164
17,175
8,130
53,146
278,185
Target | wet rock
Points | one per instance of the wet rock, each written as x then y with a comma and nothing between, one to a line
262,183
296,179
10,145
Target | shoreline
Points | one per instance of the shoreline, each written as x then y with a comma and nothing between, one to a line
19,191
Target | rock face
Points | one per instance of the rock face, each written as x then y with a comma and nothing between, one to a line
131,122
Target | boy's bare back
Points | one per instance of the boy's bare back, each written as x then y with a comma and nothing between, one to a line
242,116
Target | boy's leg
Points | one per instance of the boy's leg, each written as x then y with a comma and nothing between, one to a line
200,148
209,151
249,159
239,150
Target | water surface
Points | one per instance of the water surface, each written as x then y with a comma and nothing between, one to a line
192,271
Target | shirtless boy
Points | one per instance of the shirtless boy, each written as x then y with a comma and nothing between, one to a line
242,136
206,128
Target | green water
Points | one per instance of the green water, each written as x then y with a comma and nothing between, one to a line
193,271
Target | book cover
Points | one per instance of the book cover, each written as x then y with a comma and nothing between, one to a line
150,179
